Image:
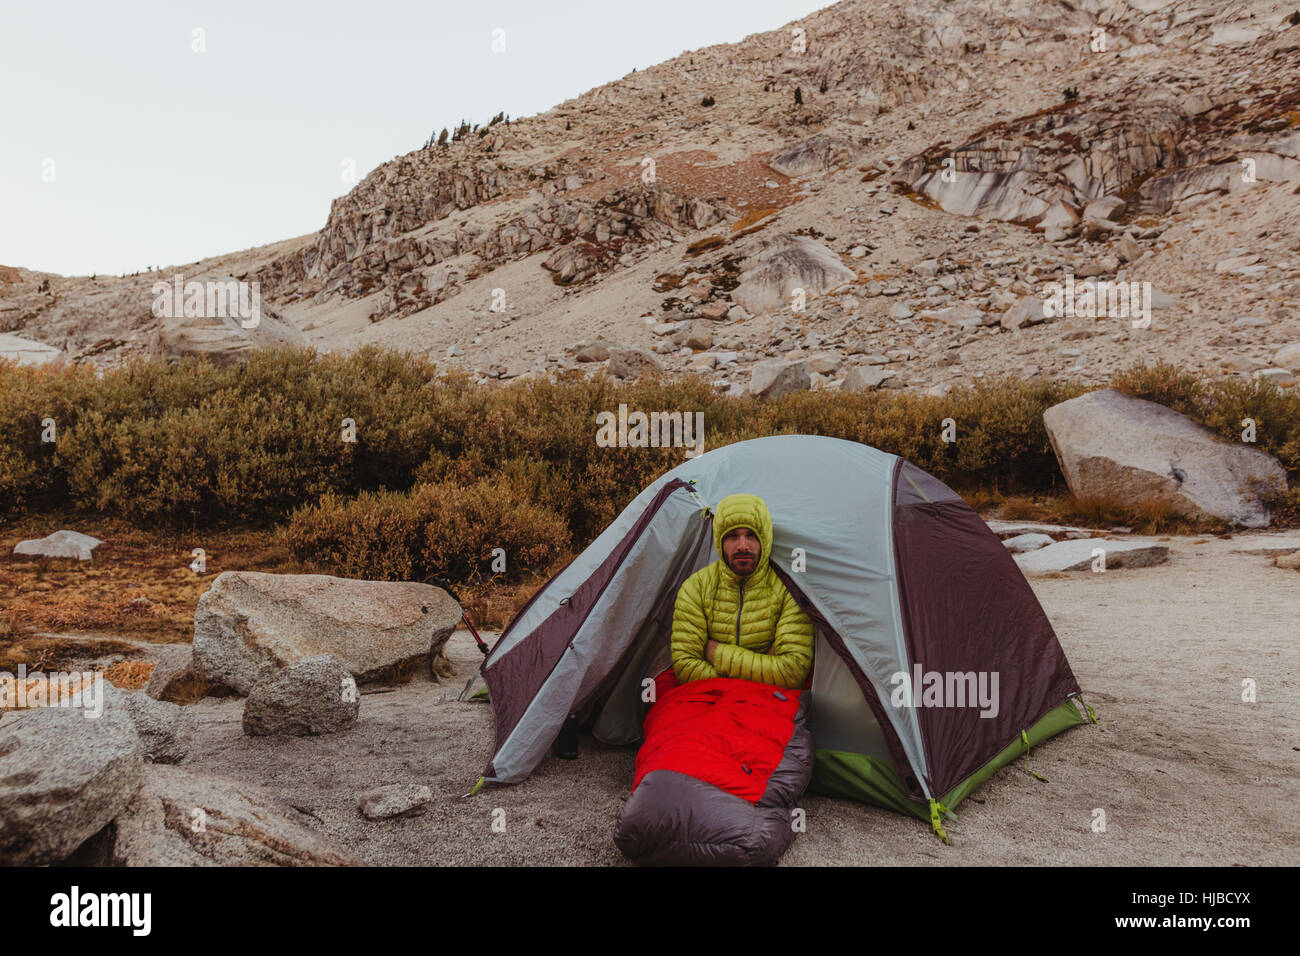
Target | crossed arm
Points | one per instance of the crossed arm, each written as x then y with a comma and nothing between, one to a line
785,665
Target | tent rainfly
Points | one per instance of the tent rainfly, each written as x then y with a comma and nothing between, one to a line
934,663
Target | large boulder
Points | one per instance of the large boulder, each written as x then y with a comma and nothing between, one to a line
308,697
224,338
1113,445
250,624
814,155
64,774
182,818
785,263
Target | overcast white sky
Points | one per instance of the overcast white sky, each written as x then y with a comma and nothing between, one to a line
160,155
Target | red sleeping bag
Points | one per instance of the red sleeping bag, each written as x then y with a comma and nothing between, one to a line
723,763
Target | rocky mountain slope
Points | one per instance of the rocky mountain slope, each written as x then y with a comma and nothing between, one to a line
883,191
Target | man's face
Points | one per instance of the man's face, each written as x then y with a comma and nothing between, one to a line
741,549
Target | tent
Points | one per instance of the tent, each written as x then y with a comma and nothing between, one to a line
934,664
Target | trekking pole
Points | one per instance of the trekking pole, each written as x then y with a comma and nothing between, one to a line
442,582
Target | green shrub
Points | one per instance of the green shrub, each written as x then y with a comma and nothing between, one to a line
441,529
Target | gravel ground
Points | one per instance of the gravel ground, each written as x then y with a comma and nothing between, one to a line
1185,771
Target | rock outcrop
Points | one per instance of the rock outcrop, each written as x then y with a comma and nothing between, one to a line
784,264
181,818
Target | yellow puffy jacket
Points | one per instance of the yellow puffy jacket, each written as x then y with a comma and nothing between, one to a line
763,634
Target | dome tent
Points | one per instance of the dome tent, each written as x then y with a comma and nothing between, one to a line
920,612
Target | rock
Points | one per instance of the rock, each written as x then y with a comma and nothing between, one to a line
1241,363
1234,33
1006,529
714,310
223,338
183,818
1112,445
1027,542
631,363
814,155
1010,196
313,696
823,364
704,362
900,310
1291,561
964,316
177,677
865,377
60,544
776,377
927,267
699,336
783,264
250,624
1288,356
1127,249
1105,266
1281,377
1237,264
595,352
64,774
166,730
737,313
1078,555
1194,104
395,800
1059,215
1268,545
1026,310
1107,207
15,348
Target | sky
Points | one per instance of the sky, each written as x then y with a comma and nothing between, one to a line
141,134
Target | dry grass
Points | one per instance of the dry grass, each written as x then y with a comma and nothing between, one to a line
130,675
138,587
703,245
1148,517
753,217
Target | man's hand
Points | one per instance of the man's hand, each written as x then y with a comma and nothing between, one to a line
709,648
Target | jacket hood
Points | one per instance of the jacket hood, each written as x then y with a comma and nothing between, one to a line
743,511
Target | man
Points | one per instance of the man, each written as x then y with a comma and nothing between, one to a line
734,617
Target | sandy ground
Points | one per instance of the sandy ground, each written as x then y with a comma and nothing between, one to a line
1185,771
